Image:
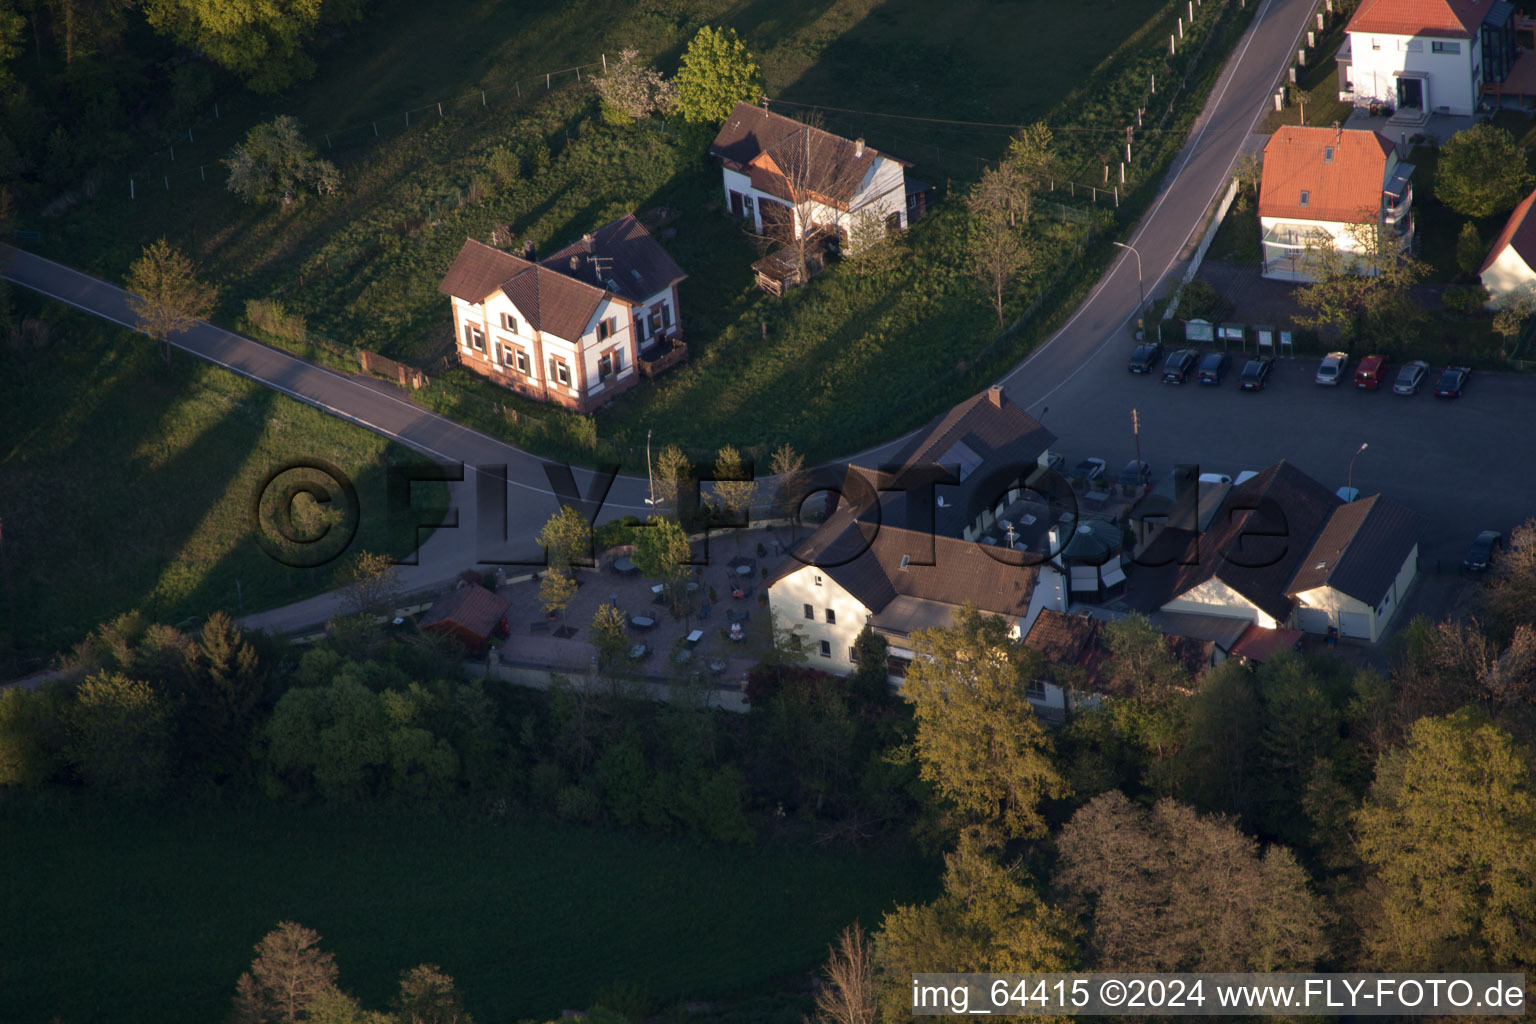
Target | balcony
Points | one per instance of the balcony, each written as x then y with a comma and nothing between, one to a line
1397,196
661,355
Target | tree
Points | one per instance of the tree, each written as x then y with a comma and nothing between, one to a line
1141,664
12,25
165,293
988,919
1361,290
847,995
567,538
662,553
1449,828
1510,595
735,488
996,249
226,686
1513,313
978,740
1482,171
428,996
788,466
632,90
1456,662
1469,249
673,473
262,43
1032,155
1249,173
556,589
371,584
274,163
289,975
716,73
609,636
32,734
119,735
1164,889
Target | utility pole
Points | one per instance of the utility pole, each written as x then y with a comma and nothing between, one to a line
1136,433
648,474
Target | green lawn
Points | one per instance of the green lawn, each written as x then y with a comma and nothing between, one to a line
127,485
125,918
1238,239
1319,85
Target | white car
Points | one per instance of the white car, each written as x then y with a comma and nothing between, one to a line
1089,469
1332,369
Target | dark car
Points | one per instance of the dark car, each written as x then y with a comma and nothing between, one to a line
1410,377
1255,374
1480,556
1452,381
1145,357
1213,367
1135,473
1179,365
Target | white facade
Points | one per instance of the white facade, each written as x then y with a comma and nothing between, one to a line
1507,273
1323,608
1384,69
882,194
1214,597
828,645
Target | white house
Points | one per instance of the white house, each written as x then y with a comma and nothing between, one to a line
778,169
1358,570
1419,57
576,328
1511,264
1345,185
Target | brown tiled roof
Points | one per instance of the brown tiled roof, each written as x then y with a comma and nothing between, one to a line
831,165
479,270
1452,18
1258,644
1360,549
472,608
1064,639
547,300
1254,544
634,265
1346,189
1519,232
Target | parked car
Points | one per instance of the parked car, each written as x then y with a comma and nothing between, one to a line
1215,478
1452,380
1371,372
1053,461
1213,367
1178,366
1145,357
1088,469
1410,377
1332,369
1480,556
1255,374
1135,474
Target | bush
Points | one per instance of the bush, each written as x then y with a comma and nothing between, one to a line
577,803
614,533
1199,300
1465,300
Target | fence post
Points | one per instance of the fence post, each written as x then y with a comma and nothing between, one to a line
173,152
327,140
407,118
215,111
167,182
605,63
547,86
130,189
375,129
202,172
482,97
439,110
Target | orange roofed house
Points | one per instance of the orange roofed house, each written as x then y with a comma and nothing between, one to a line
575,328
1511,264
1330,183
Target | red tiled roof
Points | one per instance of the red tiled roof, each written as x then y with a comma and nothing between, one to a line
1519,232
1453,18
1346,189
471,608
1259,644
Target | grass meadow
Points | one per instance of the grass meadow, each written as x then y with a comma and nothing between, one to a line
127,918
128,486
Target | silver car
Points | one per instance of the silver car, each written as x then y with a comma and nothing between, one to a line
1332,369
1410,377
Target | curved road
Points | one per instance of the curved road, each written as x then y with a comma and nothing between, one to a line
1077,373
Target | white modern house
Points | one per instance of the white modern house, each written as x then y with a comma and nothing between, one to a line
576,328
1346,185
1418,57
1511,264
777,169
1358,570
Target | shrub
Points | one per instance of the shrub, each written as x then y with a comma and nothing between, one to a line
1199,300
616,532
1466,300
577,803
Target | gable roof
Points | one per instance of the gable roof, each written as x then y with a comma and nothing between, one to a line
1360,549
637,267
1347,188
1519,233
1255,542
1453,18
1064,639
480,270
766,146
471,608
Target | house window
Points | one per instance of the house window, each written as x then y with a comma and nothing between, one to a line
818,581
474,337
831,617
826,649
661,317
1034,690
521,361
605,366
509,322
1327,154
810,613
1305,195
605,328
642,328
1438,47
559,371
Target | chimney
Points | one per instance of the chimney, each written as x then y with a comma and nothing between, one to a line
858,148
587,243
995,394
575,262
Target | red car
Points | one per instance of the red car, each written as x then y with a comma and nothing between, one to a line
1370,373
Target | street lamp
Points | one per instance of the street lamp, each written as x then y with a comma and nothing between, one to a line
1142,309
1350,482
648,474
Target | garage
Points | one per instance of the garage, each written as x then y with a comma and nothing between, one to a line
1355,624
1313,620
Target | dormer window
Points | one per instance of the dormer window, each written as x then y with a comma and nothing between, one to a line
906,560
1305,195
1327,154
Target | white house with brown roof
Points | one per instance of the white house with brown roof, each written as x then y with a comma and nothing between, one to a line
775,167
1510,265
1427,56
576,328
1357,572
1330,183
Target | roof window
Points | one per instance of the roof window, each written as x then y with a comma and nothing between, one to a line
1327,154
1305,195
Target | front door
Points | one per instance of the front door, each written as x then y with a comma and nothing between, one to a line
736,210
1410,93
